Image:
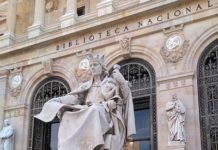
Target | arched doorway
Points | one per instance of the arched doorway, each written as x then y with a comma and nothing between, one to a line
43,136
142,78
208,96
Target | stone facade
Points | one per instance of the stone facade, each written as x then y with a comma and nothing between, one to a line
40,42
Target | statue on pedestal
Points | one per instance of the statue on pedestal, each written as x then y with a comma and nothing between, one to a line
175,111
98,115
7,136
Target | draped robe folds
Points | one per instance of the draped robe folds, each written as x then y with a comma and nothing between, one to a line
84,127
7,138
176,120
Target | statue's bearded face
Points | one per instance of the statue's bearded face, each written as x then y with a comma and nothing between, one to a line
96,68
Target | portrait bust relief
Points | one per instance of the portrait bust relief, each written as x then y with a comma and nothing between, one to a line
16,81
173,42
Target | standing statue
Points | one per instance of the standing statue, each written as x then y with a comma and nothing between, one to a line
7,136
175,111
98,115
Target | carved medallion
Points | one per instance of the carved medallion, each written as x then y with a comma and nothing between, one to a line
173,42
51,5
83,72
15,84
174,49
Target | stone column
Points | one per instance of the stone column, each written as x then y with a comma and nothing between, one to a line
3,92
69,18
39,17
9,37
105,7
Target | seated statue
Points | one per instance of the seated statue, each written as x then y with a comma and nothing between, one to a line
7,136
98,115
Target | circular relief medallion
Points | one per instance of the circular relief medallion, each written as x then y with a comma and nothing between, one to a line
173,42
84,64
16,81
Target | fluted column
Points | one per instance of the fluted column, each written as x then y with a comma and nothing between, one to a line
9,36
105,7
69,18
39,18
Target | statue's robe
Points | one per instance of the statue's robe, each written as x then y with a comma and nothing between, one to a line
83,127
7,138
175,111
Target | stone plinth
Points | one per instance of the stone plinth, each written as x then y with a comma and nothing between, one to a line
142,1
105,7
34,31
6,40
68,19
176,146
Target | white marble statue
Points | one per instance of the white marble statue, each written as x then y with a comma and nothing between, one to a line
98,115
7,136
175,111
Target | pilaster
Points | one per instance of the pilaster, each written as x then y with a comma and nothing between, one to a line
3,91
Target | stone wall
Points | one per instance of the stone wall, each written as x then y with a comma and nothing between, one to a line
198,28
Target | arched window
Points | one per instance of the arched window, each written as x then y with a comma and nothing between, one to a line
208,96
43,136
142,78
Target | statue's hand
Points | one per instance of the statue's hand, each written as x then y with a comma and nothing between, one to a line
111,104
118,76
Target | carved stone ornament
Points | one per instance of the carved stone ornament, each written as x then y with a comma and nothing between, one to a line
47,66
175,112
7,135
83,72
51,5
174,49
16,83
125,44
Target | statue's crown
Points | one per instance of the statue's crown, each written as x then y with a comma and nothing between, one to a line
99,58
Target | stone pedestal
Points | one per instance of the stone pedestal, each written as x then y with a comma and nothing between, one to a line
176,146
6,40
142,1
35,30
39,15
68,20
105,7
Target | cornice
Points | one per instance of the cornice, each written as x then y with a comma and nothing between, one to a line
86,24
144,31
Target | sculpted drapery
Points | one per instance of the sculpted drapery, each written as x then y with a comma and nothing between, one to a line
97,115
175,111
7,136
